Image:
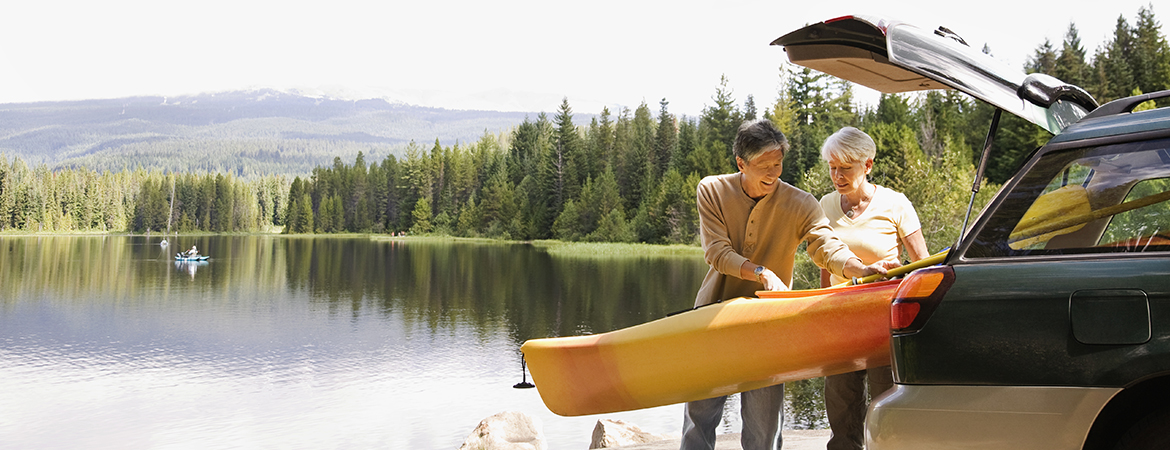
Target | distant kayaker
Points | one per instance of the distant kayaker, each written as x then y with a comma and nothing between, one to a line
193,251
876,223
751,225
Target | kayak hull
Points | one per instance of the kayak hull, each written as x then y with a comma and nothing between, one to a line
719,349
191,258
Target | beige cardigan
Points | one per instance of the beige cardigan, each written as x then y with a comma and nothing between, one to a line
735,228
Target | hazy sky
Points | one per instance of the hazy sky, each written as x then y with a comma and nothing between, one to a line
503,54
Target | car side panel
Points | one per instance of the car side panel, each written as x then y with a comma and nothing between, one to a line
1008,323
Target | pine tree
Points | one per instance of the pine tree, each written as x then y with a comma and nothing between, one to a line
1151,54
498,204
612,228
524,153
688,142
543,196
1043,60
392,191
568,225
666,139
306,225
672,214
601,143
569,149
221,214
718,124
1071,66
469,220
1114,76
422,217
636,161
324,217
783,113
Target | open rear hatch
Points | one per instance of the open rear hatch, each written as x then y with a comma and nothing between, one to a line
893,57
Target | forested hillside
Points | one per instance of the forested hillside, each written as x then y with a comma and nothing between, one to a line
247,134
631,175
618,176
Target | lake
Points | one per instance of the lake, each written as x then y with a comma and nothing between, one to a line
301,342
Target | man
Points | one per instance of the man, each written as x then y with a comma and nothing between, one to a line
751,224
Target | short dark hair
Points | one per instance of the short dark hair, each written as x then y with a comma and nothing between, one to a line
757,136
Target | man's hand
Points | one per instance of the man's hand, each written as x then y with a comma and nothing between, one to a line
771,281
766,277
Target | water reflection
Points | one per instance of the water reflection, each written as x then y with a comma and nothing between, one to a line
297,342
189,267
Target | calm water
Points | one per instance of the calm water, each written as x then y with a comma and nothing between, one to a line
291,343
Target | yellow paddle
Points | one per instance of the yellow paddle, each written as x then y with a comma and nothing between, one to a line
1080,219
924,262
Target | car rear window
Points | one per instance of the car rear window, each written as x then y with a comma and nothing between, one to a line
1107,199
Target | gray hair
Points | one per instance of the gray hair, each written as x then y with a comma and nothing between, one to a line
756,137
849,145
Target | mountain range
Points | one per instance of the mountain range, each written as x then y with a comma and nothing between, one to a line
247,133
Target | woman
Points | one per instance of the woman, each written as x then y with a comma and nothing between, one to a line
876,223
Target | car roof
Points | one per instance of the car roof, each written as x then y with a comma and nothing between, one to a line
1133,125
892,57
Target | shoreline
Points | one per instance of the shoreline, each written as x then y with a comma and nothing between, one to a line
551,246
793,440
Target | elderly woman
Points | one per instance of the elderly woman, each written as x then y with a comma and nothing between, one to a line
876,223
752,224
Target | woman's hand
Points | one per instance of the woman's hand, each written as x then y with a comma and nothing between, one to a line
854,268
881,267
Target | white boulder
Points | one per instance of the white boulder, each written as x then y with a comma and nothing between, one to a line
509,430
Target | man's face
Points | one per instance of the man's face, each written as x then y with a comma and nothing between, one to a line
761,174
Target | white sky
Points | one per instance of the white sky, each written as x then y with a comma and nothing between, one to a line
502,54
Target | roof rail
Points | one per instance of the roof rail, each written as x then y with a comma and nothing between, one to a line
1125,105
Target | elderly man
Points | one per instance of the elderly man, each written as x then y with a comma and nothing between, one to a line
751,224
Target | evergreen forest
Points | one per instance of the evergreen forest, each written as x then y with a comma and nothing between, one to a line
624,176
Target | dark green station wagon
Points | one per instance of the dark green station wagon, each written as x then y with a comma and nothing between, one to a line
1048,325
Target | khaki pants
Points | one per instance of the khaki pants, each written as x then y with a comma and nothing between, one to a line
762,413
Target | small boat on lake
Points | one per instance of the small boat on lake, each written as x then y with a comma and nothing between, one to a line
181,257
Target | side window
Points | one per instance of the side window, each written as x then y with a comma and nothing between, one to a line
1145,225
1110,199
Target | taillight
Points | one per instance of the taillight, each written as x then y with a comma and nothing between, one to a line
917,297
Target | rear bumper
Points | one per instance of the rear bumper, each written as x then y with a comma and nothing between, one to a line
983,417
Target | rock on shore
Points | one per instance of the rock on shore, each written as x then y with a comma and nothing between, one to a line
616,433
509,430
518,431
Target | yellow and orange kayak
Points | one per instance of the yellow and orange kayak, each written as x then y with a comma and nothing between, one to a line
720,349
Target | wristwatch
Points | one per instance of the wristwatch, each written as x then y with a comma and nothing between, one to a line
759,271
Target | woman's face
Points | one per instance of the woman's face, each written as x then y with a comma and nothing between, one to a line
762,173
849,176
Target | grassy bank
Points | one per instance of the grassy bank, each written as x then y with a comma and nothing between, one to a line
618,250
573,249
